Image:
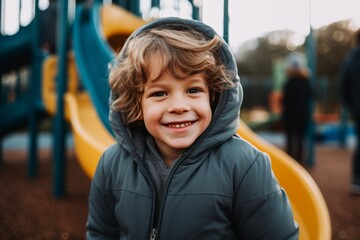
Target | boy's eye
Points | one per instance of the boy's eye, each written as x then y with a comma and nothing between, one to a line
194,90
158,94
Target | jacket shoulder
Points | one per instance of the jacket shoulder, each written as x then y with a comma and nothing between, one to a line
111,163
238,156
251,167
240,151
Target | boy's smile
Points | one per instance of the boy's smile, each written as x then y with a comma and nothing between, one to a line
175,111
179,124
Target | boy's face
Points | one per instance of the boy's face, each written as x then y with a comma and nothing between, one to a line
175,112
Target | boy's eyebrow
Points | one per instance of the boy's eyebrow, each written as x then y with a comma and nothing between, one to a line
192,80
198,79
153,84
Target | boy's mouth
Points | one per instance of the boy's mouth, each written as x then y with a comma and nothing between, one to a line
180,124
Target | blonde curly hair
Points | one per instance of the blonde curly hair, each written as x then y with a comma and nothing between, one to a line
184,53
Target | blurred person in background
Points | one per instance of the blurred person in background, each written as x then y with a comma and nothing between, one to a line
297,94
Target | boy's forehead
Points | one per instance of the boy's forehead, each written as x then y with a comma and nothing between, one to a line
157,66
164,78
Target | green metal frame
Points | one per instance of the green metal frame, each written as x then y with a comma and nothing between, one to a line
59,153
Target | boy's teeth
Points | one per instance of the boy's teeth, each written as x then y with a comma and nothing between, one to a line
179,125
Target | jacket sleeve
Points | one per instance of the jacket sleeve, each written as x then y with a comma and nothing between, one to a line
101,223
262,209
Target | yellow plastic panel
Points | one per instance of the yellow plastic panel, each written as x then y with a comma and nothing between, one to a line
91,138
116,20
49,73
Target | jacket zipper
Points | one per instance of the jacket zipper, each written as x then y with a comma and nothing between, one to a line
153,234
156,228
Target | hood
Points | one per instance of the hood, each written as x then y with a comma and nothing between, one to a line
225,120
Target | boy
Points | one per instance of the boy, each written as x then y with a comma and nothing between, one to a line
178,170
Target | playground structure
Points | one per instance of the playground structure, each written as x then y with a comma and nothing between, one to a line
97,33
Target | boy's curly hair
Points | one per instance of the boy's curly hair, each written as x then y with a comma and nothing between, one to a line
183,53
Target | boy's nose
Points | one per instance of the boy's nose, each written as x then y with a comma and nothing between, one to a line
178,106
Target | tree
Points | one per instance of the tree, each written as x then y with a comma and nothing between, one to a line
333,41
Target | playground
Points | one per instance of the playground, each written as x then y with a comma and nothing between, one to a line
45,175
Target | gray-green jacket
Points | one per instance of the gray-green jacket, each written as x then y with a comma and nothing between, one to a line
221,188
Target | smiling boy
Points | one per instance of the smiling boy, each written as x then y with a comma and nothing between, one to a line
178,169
175,111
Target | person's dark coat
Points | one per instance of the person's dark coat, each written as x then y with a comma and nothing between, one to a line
296,106
221,187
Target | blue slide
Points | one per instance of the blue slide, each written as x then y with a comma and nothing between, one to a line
93,55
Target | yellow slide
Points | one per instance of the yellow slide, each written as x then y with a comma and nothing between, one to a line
310,209
91,139
90,136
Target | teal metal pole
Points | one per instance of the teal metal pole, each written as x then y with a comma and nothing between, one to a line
60,124
134,6
155,3
18,84
33,113
1,89
226,21
311,59
1,22
195,11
